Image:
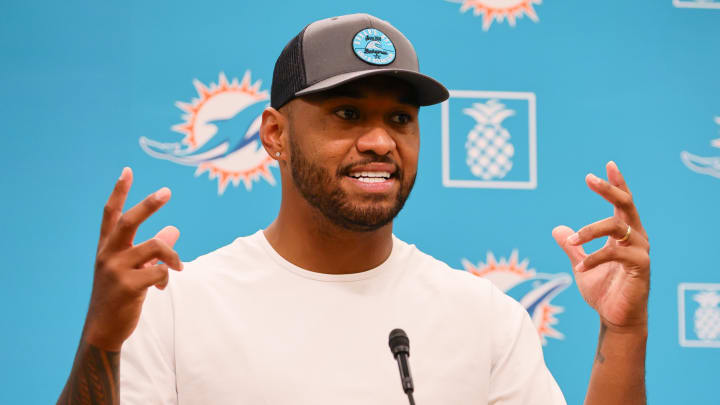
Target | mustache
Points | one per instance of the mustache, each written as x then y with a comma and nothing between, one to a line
345,170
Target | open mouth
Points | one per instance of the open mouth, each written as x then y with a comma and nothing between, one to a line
371,177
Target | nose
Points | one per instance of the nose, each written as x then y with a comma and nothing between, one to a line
376,140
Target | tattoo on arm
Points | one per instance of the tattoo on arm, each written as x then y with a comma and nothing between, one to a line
94,378
599,357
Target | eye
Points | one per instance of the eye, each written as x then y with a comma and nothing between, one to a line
401,118
347,113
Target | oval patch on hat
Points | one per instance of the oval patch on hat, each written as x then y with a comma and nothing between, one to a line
374,47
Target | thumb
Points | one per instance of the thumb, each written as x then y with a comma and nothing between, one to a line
169,235
574,253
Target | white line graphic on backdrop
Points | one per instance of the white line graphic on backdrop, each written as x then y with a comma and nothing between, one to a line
696,4
704,165
704,298
489,152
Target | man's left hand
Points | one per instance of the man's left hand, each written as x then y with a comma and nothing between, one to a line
614,280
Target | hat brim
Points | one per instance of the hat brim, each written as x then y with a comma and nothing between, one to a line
428,90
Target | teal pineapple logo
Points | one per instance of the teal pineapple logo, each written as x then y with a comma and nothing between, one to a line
489,150
707,315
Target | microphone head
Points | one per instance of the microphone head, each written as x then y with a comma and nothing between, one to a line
399,342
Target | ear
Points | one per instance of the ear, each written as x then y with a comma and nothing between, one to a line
272,128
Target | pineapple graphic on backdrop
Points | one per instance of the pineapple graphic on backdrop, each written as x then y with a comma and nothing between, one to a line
489,151
707,316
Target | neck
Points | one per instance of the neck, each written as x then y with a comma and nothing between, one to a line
304,237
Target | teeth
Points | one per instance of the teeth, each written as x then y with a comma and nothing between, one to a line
371,175
371,179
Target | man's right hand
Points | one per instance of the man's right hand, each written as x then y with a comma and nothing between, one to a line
123,271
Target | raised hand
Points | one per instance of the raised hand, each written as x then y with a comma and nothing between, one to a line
615,280
123,271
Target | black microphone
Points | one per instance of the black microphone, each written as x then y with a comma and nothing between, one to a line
400,347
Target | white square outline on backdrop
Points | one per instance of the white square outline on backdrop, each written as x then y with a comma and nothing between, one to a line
684,341
694,4
532,140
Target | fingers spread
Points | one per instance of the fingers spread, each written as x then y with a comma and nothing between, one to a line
152,249
613,194
124,232
116,201
615,177
575,253
632,256
622,200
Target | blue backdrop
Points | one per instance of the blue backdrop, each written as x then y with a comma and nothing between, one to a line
559,88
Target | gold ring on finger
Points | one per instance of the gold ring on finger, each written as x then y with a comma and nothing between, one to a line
627,235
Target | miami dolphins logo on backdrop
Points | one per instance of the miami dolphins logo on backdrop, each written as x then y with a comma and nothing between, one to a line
499,10
534,291
221,129
709,165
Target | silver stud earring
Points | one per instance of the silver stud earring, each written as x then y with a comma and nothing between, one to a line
277,154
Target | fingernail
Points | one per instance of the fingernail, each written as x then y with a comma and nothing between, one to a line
162,194
123,174
593,178
580,267
614,165
573,239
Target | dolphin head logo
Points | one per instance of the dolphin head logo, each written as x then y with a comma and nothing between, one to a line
222,134
534,291
229,135
375,47
535,295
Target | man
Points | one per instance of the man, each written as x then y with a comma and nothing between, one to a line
300,312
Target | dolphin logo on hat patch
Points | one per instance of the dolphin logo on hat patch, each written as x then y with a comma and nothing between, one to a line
374,47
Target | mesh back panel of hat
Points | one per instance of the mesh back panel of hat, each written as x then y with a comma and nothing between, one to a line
289,73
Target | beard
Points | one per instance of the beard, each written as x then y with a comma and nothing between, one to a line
321,189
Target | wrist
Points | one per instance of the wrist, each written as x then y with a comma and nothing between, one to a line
635,329
636,326
625,337
101,340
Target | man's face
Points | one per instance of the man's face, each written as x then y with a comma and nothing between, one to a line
354,151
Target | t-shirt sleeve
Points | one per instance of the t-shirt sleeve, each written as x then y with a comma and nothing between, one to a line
147,363
519,375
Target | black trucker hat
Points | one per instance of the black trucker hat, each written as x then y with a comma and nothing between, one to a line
337,50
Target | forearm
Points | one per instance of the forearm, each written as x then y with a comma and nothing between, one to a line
94,378
618,373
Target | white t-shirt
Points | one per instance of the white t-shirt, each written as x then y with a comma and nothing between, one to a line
242,325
